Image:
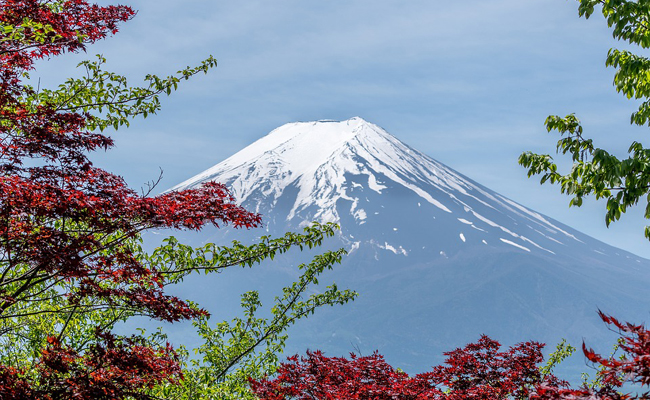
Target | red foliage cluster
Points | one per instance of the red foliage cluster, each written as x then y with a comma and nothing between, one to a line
318,377
13,386
481,371
114,369
64,187
62,219
477,371
633,368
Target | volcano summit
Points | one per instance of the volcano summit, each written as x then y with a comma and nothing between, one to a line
355,173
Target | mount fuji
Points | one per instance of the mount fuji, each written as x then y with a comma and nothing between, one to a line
437,258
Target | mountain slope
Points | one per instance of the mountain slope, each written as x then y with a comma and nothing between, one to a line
437,258
330,171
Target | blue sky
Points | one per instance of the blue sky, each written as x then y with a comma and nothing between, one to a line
467,82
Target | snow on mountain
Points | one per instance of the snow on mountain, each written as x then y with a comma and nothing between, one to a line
324,169
437,258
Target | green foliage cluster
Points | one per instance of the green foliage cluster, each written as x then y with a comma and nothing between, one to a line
595,171
108,96
250,346
247,346
563,350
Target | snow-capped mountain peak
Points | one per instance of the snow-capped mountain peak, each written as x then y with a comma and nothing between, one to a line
315,156
354,172
312,155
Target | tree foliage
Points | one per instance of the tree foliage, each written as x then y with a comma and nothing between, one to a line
250,346
622,182
71,264
477,371
231,351
631,368
66,226
595,171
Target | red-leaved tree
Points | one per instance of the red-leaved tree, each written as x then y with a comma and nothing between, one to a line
477,371
319,377
632,368
65,223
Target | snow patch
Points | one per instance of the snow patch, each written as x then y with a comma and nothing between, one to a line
538,217
374,185
399,250
464,221
508,231
360,215
462,237
548,237
514,244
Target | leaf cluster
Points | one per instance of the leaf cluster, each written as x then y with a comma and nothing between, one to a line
249,346
108,98
476,371
622,182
